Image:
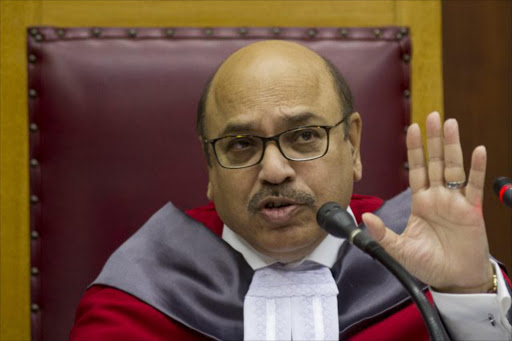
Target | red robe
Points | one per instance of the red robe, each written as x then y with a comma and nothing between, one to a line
106,313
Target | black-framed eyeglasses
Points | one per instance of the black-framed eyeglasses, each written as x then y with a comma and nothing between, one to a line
298,144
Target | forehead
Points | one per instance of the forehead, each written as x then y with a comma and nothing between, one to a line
268,88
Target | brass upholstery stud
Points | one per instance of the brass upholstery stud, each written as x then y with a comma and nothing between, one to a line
169,32
34,32
61,32
399,35
34,307
32,93
405,130
39,37
33,127
242,31
34,235
407,93
343,32
406,58
276,31
96,32
311,32
132,32
406,165
34,163
34,199
208,31
377,32
404,31
34,271
32,58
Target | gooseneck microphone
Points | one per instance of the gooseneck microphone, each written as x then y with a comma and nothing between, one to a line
339,223
503,189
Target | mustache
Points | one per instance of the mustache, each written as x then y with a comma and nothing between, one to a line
301,197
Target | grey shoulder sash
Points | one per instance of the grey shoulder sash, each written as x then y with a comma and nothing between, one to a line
181,268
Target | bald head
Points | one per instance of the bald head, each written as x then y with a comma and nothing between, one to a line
266,63
277,72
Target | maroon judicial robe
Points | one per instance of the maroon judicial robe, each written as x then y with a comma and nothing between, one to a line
107,313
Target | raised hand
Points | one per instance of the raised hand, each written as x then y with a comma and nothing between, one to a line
444,243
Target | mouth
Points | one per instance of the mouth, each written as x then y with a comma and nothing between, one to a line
278,211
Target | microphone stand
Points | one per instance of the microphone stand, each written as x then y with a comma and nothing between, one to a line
338,222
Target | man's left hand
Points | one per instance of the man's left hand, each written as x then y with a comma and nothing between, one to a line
445,243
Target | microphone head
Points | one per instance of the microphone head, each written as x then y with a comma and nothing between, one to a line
503,188
500,182
335,220
325,211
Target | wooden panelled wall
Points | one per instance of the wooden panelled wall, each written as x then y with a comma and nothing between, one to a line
423,18
477,65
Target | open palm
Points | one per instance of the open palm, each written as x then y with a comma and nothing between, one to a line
444,243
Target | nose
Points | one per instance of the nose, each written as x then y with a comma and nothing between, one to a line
274,167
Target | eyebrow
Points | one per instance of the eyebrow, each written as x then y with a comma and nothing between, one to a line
291,120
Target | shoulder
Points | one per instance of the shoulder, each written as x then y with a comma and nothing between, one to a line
364,203
106,313
394,212
207,215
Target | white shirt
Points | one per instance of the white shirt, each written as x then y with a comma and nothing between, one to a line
466,316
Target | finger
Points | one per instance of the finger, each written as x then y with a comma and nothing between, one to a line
384,236
418,179
435,150
476,180
453,161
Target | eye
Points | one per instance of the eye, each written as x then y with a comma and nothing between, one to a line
305,135
240,144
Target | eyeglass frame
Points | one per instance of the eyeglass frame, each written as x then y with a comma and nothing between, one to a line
275,138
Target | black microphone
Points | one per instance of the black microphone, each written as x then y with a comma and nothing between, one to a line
339,223
503,189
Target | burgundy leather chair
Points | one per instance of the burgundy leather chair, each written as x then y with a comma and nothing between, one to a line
112,139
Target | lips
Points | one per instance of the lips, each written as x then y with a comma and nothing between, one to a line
278,211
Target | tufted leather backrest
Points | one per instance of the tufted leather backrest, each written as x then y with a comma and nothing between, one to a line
112,115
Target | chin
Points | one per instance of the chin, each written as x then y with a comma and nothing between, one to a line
290,242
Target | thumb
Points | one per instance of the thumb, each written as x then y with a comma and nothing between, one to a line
379,231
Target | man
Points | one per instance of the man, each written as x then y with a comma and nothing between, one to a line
276,121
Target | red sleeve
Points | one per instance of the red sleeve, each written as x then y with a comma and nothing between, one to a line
105,313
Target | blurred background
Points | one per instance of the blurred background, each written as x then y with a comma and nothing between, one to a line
461,66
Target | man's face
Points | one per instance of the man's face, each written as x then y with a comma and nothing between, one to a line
264,90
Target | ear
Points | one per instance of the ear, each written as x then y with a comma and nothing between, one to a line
354,137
